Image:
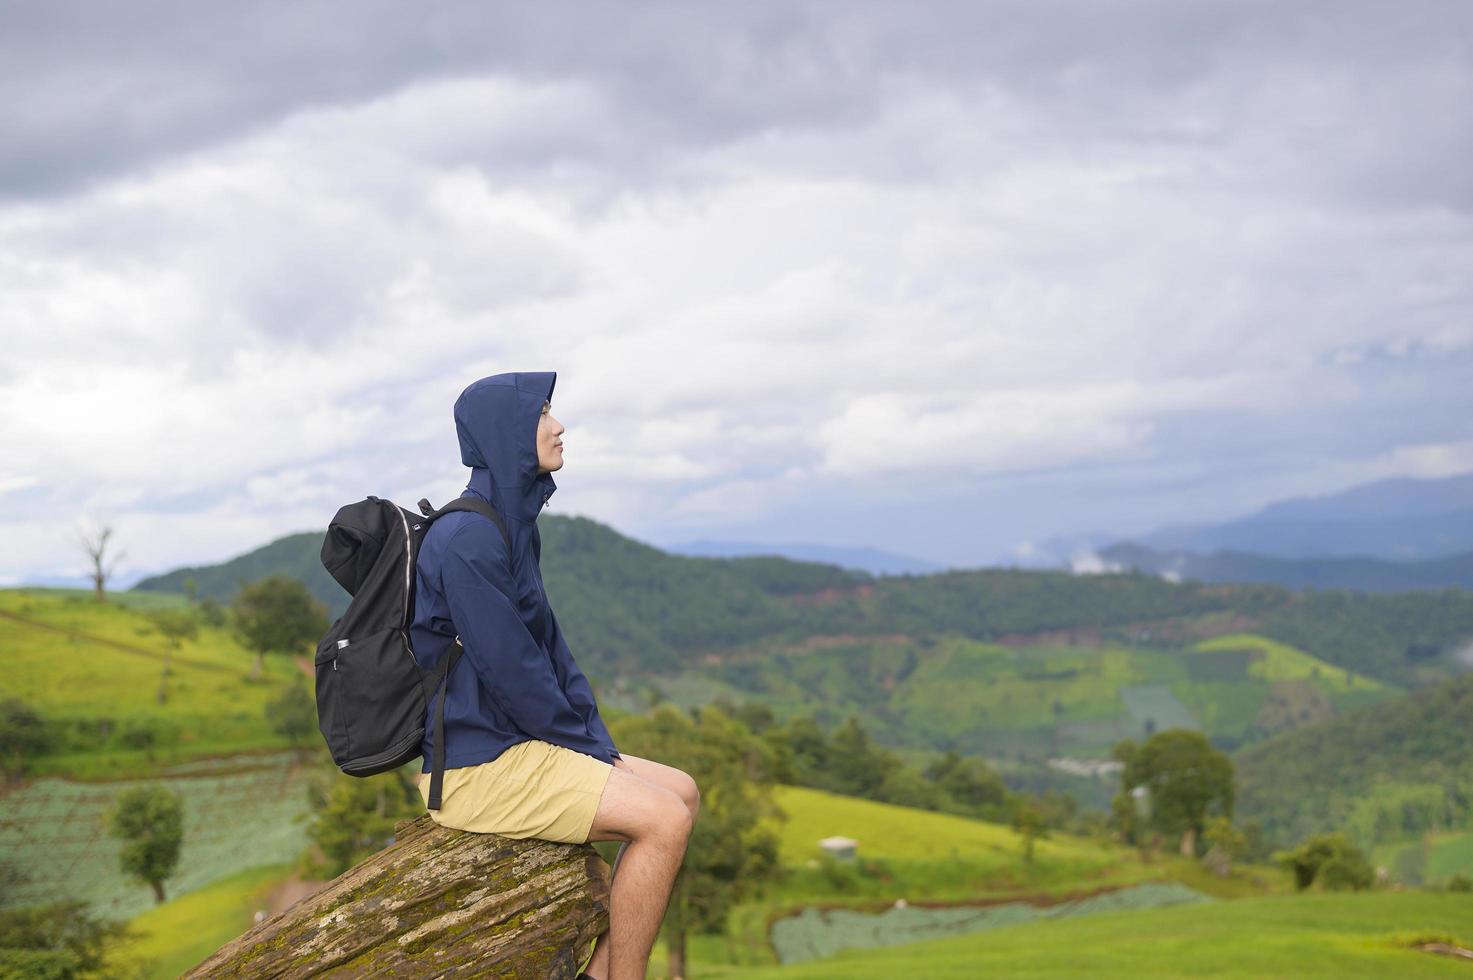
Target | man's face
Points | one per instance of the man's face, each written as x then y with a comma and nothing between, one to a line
549,441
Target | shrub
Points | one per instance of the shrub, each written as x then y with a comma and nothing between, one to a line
54,942
293,714
1330,858
137,734
23,734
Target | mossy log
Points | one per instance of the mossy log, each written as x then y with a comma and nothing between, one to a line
437,903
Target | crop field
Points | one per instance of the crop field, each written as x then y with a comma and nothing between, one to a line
55,832
1030,702
1281,662
1431,860
1450,854
1156,704
817,933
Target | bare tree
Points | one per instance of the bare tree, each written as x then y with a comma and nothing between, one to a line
103,566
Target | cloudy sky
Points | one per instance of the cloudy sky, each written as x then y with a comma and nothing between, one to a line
945,279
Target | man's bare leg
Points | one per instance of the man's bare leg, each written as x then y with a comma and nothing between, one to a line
655,824
678,782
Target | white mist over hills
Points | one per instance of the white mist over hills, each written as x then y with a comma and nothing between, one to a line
1400,519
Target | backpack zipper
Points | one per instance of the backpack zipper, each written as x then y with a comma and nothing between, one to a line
408,584
408,566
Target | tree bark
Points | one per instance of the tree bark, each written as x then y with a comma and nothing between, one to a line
677,921
436,903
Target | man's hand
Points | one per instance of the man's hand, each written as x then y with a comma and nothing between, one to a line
619,762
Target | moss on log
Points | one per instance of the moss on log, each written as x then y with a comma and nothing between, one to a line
437,903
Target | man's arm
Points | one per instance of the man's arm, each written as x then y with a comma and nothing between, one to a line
512,665
579,691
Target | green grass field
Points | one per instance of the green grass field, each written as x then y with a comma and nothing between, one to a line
945,854
171,938
1281,662
924,857
94,670
1351,935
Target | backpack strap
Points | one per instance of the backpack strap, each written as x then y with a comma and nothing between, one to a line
440,676
473,505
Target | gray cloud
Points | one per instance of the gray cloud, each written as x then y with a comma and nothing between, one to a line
810,266
1365,98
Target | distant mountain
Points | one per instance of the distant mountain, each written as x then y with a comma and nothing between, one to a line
1400,519
297,555
871,560
1357,573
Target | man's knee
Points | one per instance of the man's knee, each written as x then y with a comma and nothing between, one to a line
634,809
675,818
691,794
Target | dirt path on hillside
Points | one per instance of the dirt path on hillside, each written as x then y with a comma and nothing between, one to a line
289,893
115,644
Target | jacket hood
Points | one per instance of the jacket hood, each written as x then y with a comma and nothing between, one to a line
496,419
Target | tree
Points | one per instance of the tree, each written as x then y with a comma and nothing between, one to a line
293,713
1028,822
1124,817
733,850
277,615
354,816
150,820
94,541
857,766
175,626
801,751
969,781
212,612
1225,842
1185,776
23,733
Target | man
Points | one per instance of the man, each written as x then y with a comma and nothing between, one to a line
526,753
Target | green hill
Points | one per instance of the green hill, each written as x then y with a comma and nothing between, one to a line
1030,702
1020,666
93,671
631,608
297,555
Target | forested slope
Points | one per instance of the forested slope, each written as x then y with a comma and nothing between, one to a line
1377,771
628,606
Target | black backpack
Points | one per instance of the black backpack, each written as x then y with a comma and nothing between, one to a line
372,694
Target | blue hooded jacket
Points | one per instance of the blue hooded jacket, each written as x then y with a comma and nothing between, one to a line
516,679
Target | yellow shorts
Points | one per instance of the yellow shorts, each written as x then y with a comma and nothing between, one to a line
533,789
